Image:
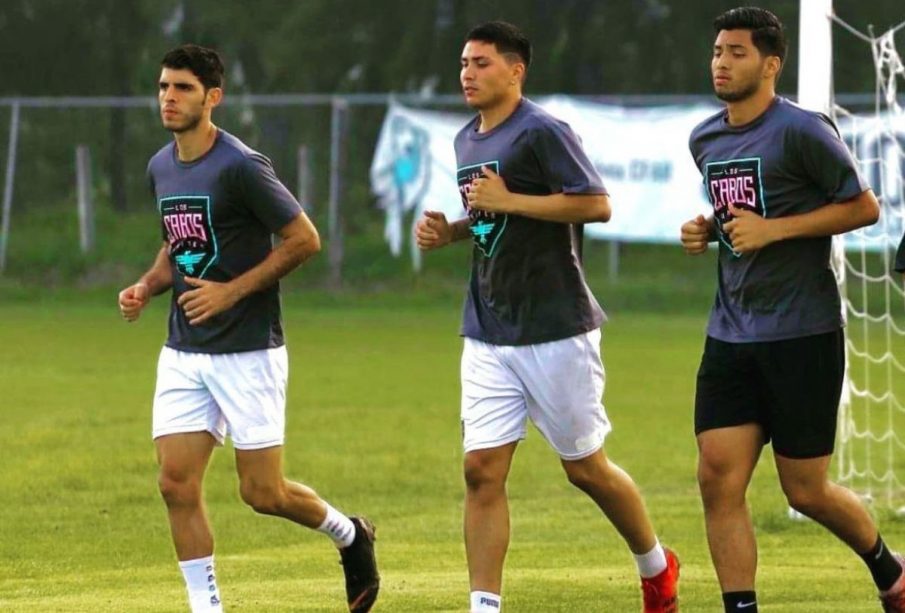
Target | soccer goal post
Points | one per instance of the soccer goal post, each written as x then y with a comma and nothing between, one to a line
870,455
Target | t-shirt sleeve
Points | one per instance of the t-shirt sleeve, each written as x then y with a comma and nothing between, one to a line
827,161
694,148
264,195
564,164
152,190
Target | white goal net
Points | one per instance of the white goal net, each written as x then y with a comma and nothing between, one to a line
871,452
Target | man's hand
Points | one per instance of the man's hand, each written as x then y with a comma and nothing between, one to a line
209,298
432,231
489,193
748,231
696,235
133,299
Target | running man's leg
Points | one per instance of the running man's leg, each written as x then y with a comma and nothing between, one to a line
264,488
183,459
494,419
731,424
809,491
613,490
487,516
805,378
564,382
726,461
187,424
250,389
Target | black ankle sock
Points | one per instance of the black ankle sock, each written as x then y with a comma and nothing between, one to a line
740,602
883,566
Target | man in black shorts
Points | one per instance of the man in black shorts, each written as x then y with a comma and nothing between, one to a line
781,183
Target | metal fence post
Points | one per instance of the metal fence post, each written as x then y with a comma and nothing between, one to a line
303,168
613,267
338,128
8,185
85,198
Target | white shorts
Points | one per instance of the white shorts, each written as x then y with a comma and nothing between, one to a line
558,385
239,394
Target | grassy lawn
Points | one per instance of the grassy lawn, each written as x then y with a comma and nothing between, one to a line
373,426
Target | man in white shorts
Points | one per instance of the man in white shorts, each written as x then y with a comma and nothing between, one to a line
531,325
224,367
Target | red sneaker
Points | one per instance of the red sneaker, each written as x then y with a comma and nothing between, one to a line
893,599
661,592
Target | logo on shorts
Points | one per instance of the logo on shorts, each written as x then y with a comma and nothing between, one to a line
486,228
736,182
188,230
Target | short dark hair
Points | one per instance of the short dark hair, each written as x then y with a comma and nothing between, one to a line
767,31
508,39
204,63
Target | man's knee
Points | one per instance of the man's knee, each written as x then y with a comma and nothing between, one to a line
483,473
589,473
807,498
264,499
178,489
721,478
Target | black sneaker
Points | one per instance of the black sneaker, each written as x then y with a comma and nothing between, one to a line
360,567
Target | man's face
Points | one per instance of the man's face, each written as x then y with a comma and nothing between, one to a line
486,75
738,68
183,100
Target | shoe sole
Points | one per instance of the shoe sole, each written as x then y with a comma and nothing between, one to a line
365,600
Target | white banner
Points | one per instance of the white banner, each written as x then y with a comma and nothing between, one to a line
641,153
878,143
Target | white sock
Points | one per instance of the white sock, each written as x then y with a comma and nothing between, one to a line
486,602
204,595
652,563
338,527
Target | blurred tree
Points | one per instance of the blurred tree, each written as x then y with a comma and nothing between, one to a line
112,47
60,47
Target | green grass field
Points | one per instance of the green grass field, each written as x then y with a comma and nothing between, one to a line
373,426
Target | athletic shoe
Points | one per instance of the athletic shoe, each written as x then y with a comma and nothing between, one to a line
360,567
661,592
893,599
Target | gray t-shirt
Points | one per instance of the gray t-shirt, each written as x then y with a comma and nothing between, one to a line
786,162
218,215
527,285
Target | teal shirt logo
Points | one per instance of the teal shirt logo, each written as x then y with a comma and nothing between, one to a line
188,230
486,228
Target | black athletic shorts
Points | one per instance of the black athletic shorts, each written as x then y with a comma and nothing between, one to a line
790,387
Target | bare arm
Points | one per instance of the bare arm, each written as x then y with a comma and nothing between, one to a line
156,281
159,277
749,231
489,193
300,241
433,231
562,208
460,229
